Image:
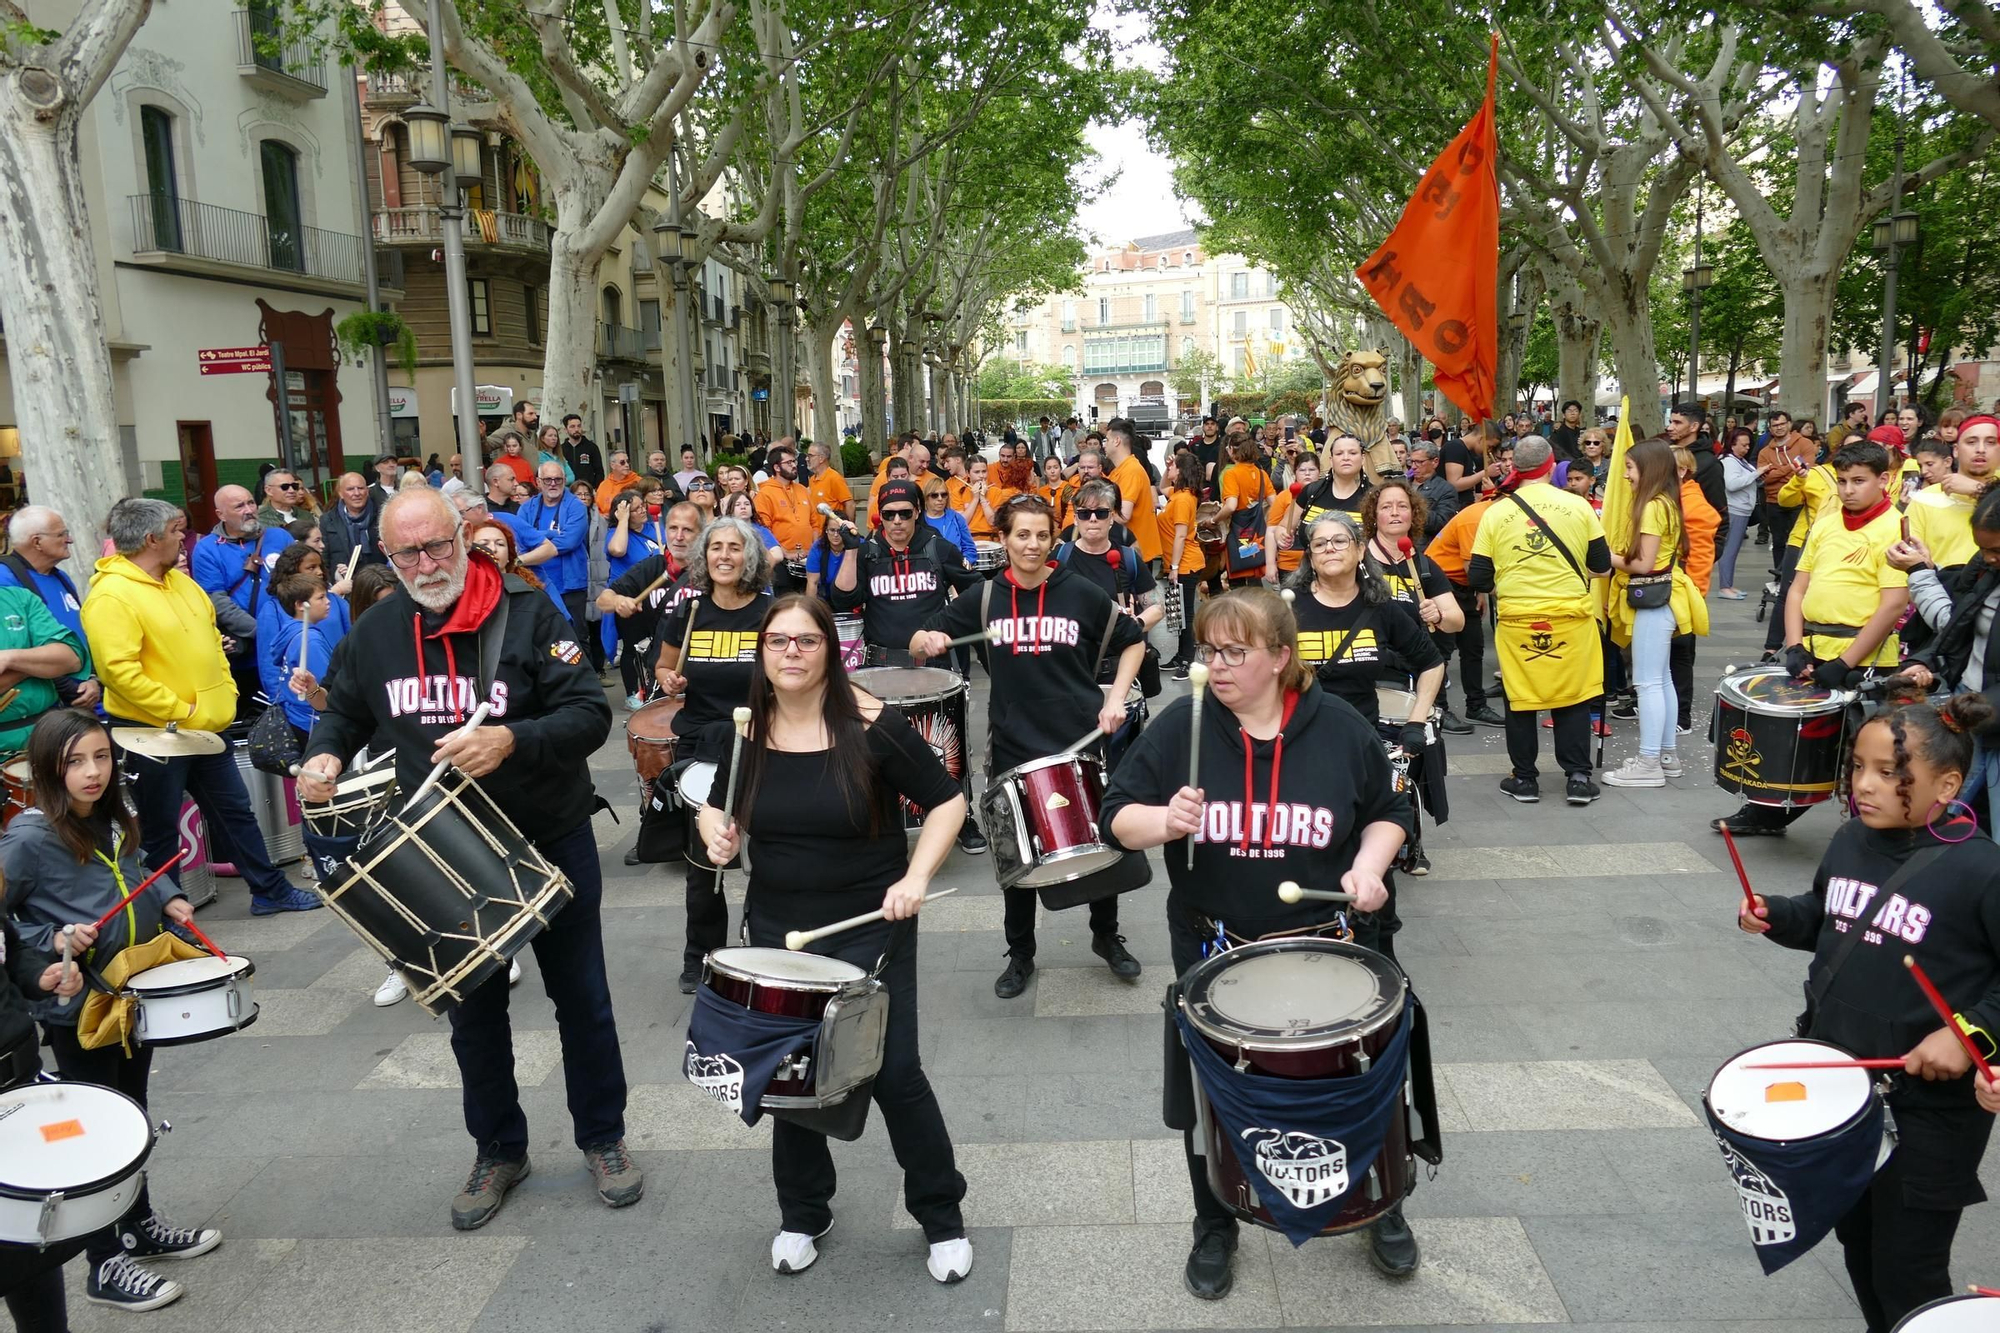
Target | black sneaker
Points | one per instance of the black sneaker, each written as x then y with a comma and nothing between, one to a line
1181,670
1624,711
1580,790
1485,716
1208,1275
1392,1246
690,978
1455,725
485,1190
1525,790
1014,980
120,1282
1417,864
970,840
632,857
1111,948
154,1239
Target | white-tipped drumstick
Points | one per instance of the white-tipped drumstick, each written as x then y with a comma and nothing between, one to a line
1290,892
437,770
837,516
347,570
1197,677
741,718
305,627
1288,594
991,634
799,939
63,1003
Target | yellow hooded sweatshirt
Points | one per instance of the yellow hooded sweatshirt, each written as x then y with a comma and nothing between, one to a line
156,648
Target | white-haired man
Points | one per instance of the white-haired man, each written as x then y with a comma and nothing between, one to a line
38,541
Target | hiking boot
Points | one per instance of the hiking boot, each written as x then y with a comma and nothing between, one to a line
1014,979
618,1180
1111,948
485,1190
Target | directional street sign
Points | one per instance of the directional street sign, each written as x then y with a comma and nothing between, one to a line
234,360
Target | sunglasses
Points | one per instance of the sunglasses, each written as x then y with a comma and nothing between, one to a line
899,515
701,485
290,486
1093,514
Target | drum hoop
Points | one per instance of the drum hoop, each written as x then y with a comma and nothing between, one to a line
1213,966
223,982
739,973
1873,1097
959,685
1076,760
98,1186
1835,701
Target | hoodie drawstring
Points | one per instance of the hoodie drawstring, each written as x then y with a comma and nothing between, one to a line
1277,767
1014,607
450,663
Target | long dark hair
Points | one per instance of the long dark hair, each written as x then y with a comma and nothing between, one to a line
1658,480
846,728
371,583
1187,472
56,733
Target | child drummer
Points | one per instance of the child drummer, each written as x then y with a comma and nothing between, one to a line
71,858
1912,875
1339,822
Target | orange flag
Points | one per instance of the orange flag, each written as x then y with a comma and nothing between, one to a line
1435,277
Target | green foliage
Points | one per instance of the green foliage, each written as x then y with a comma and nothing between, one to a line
722,460
855,460
365,330
1245,405
1000,378
996,414
1539,359
1191,369
1294,403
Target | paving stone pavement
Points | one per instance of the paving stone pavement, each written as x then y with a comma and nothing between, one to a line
1581,967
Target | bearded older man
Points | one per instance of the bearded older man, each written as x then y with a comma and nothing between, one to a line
413,675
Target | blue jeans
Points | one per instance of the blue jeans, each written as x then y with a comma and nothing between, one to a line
1652,644
215,784
1726,566
570,954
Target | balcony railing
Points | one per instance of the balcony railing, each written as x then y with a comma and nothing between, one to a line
621,343
162,224
415,86
263,54
421,224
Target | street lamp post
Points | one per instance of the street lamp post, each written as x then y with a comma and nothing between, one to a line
439,148
784,391
1695,280
1891,236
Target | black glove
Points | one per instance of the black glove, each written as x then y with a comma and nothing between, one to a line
1412,737
1797,660
1833,675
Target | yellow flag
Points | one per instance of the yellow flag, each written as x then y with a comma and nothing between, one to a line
1617,515
1249,358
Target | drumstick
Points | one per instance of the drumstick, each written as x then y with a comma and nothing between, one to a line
437,770
347,570
1950,1020
1408,551
1749,897
991,634
1291,892
206,941
63,1002
144,884
839,518
741,717
799,939
1978,1290
303,630
1288,594
1197,677
1081,741
1830,1064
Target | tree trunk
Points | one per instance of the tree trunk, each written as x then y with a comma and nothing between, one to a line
1729,385
57,358
571,352
826,390
1808,294
1410,385
1577,340
1628,324
874,393
673,369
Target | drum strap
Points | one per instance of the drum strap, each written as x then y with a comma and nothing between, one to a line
1816,990
491,635
1550,533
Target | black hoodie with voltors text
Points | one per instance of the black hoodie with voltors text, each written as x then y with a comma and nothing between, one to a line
896,591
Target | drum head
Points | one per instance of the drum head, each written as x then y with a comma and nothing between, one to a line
1953,1314
1296,993
1393,704
17,772
783,965
202,971
654,722
908,685
65,1136
1787,1105
1768,689
694,783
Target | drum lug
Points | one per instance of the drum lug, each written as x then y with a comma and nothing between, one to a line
233,1001
46,1222
162,1129
795,1066
1361,1059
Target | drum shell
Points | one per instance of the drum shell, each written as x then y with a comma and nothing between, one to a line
273,800
1782,760
853,1014
1389,1177
20,789
1041,821
199,1011
989,556
447,890
26,1218
695,849
649,738
936,711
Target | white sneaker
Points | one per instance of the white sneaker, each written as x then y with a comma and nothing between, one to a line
794,1251
950,1260
1670,763
393,990
1638,771
513,972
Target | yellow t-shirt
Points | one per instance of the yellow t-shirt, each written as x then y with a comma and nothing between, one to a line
1180,512
1814,492
1943,523
1662,520
1849,576
1530,576
1133,485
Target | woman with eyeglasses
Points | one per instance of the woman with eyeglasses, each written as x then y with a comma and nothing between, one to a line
707,654
824,767
1293,786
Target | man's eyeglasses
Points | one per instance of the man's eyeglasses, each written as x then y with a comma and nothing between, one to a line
552,481
899,515
439,551
1093,514
806,643
1231,654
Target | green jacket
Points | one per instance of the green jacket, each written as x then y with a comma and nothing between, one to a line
25,622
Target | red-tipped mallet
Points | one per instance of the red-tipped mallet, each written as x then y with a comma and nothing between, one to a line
1742,875
1944,1013
144,884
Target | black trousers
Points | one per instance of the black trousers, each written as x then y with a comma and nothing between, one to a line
1572,736
1774,626
801,1162
1470,644
31,1282
587,637
1680,668
1778,521
1186,587
707,916
1897,1238
108,1067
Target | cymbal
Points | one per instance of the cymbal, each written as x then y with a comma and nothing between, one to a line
167,742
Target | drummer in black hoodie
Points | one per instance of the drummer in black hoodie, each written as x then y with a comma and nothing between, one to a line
1915,880
1331,817
1055,629
411,679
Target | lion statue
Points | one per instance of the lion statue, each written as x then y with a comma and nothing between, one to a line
1357,404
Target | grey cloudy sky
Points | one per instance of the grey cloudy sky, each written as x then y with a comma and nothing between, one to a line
1141,202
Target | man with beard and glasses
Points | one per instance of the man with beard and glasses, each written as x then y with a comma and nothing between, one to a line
412,679
785,506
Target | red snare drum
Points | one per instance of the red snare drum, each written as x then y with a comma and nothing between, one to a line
852,1006
1041,818
649,737
1304,1008
20,790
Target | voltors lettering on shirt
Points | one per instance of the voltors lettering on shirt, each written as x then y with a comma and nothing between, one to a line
916,583
442,699
1906,920
1289,824
1849,898
1038,634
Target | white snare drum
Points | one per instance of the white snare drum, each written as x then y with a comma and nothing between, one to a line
72,1160
359,799
1817,1102
1953,1314
991,555
1393,704
696,781
195,999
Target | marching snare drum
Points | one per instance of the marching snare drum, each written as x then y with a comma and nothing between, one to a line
1778,741
852,1008
649,737
933,699
990,556
448,891
359,800
72,1160
194,999
20,789
1299,1008
697,779
1041,818
1952,1314
853,649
